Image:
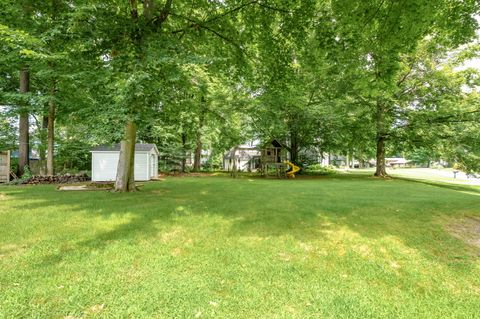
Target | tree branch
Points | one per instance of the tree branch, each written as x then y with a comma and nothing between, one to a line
273,8
199,25
164,13
404,77
240,7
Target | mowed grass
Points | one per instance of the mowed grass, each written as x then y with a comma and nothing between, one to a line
215,247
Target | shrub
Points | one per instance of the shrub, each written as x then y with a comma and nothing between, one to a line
318,169
26,176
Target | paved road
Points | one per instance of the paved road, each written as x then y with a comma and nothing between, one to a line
441,175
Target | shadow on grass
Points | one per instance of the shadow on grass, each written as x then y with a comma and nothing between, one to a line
306,210
455,187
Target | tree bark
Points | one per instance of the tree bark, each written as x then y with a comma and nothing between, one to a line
125,180
42,148
24,149
293,147
198,154
198,149
381,137
234,172
51,109
51,133
148,9
184,152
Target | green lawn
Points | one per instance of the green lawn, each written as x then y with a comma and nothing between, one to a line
215,247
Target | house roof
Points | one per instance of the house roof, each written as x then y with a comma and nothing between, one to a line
397,160
274,143
400,161
253,144
116,148
243,154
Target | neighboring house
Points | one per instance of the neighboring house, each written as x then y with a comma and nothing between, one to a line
247,156
204,157
105,162
335,160
396,161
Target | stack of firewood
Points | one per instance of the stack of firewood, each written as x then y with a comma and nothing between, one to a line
57,179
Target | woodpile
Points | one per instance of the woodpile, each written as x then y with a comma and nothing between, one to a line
57,179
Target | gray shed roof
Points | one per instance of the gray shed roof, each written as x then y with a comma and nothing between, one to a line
116,148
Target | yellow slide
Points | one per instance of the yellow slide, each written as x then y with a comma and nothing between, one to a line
294,169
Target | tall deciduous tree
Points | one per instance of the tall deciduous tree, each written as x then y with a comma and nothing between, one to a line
24,126
379,32
153,41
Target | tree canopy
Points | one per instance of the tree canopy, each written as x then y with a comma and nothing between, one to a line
362,79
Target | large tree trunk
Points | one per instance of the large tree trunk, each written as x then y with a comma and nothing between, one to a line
50,133
51,109
381,137
198,154
125,181
381,170
23,149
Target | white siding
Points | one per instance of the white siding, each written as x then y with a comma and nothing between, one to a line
141,167
104,166
242,165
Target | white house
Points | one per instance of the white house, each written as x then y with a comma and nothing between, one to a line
105,162
247,157
398,161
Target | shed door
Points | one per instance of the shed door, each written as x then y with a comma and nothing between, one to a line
152,165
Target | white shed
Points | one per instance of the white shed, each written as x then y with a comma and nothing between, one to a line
105,162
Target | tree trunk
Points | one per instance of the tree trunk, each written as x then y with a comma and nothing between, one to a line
50,133
381,170
125,181
198,149
148,8
293,147
198,154
23,149
361,159
184,152
51,108
234,172
42,148
381,137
